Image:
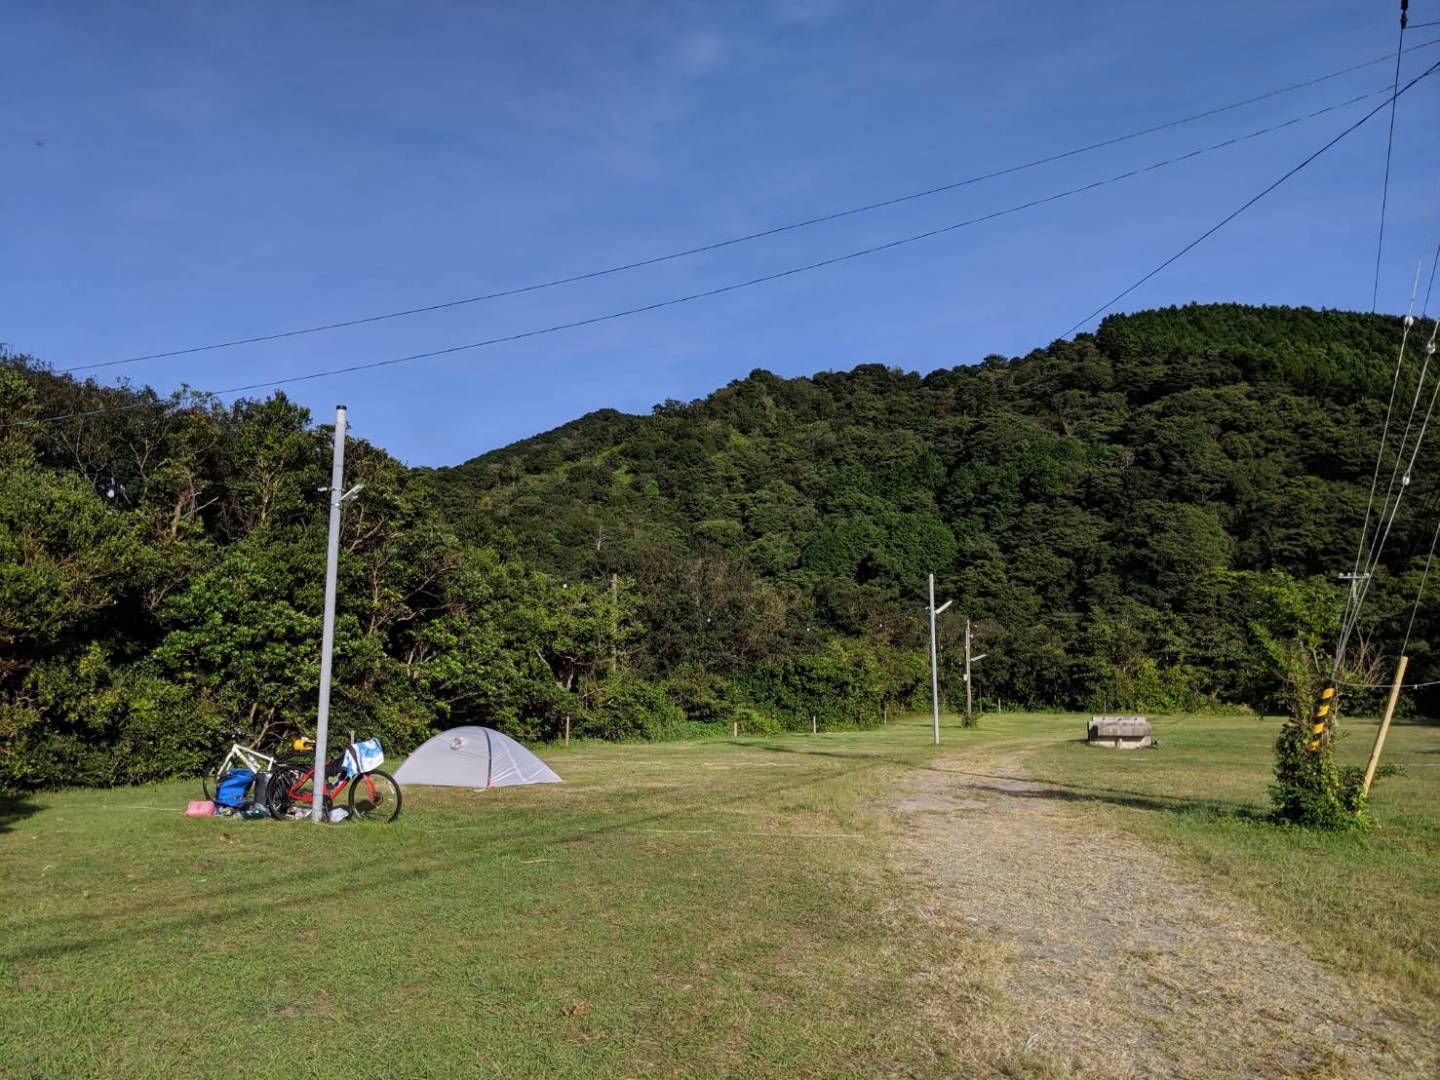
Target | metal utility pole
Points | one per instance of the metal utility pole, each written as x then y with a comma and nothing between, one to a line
327,638
969,659
934,664
969,708
1352,603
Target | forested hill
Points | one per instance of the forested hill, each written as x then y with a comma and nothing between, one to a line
1087,503
1150,517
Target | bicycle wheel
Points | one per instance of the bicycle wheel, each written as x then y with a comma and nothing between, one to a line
278,800
374,796
210,784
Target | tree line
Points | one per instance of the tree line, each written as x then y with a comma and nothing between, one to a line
1149,517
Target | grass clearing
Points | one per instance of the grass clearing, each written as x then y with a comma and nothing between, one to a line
682,909
691,909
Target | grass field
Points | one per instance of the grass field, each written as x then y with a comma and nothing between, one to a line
691,909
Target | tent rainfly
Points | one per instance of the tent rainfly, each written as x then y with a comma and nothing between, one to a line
473,757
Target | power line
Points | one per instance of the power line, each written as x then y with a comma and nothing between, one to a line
1434,219
1389,145
719,244
1378,545
1244,206
1379,686
1353,594
1430,286
1430,555
734,286
1420,590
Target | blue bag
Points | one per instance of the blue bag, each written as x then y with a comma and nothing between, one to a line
233,786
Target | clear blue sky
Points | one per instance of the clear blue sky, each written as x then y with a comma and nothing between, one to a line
173,173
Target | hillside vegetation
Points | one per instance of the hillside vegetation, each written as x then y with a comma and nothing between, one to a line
1132,518
1141,518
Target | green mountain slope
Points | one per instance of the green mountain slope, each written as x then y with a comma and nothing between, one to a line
1150,517
1087,504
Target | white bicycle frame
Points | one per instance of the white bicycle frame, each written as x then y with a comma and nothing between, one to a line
248,757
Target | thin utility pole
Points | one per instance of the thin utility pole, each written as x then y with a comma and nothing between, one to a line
970,658
969,711
934,664
327,639
934,667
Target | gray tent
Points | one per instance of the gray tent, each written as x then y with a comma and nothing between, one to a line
474,757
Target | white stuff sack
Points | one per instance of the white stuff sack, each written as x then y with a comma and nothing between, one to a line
363,757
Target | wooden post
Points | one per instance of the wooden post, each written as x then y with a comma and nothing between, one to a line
1385,723
567,731
814,730
885,713
735,730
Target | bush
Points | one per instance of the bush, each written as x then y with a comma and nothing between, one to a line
632,709
1311,789
94,725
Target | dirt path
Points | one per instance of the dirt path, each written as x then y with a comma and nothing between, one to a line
1115,960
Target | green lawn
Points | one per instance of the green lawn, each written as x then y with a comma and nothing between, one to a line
691,909
681,909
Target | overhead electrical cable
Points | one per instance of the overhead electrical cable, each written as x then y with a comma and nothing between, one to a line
1389,509
1431,224
732,241
1378,545
1245,205
1386,687
1420,590
734,286
1389,146
1426,307
1355,597
1380,457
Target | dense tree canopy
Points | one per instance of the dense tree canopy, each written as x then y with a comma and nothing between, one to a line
1131,519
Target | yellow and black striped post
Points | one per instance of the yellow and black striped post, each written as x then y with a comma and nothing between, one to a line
1320,718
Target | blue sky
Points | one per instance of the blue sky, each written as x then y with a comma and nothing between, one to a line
175,173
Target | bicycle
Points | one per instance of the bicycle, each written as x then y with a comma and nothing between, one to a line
374,796
242,757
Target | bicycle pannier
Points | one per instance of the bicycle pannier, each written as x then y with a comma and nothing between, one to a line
233,786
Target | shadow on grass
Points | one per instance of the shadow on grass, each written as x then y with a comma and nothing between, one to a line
1209,809
15,809
1039,787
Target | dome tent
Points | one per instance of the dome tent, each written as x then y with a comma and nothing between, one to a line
473,757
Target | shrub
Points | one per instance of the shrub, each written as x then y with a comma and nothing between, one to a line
1311,788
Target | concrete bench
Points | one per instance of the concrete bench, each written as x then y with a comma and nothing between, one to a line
1119,732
